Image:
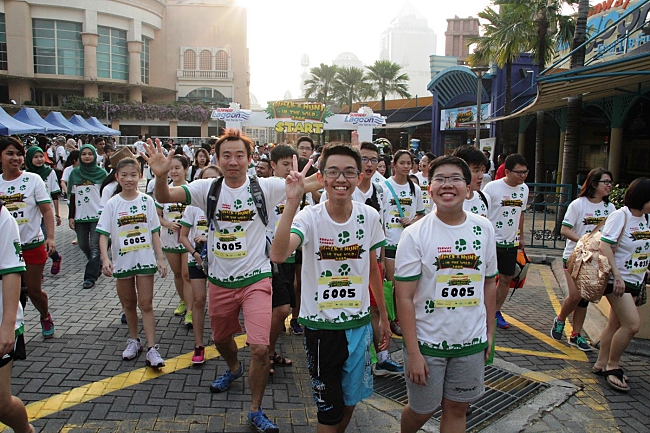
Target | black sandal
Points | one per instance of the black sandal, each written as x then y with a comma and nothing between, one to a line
618,373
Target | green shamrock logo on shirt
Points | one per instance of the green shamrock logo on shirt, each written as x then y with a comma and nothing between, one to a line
461,245
344,237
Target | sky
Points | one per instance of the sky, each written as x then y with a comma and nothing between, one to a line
281,31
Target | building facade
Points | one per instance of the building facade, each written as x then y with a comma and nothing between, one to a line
459,30
144,50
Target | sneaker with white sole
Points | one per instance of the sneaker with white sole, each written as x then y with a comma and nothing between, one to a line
557,329
154,359
199,355
387,368
580,342
133,349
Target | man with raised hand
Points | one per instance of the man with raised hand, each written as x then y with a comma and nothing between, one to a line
239,271
338,238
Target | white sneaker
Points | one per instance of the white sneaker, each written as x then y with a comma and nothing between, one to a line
154,359
133,349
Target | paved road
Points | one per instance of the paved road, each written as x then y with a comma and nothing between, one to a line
77,381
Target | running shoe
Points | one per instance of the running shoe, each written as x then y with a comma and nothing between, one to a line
224,381
47,327
154,359
56,265
395,328
387,368
199,355
501,322
580,342
261,422
88,284
133,349
295,328
557,329
181,309
188,320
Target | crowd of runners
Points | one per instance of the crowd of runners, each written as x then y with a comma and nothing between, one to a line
354,243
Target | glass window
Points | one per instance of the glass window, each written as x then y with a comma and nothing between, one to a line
112,54
189,60
3,43
205,60
144,60
222,61
57,47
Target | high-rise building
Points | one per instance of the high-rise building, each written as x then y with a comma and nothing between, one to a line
457,34
409,41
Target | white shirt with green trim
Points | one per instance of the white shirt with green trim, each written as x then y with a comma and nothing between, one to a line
476,205
450,264
130,224
52,184
87,200
582,216
336,266
633,252
11,260
424,186
411,205
22,197
506,206
195,219
237,256
171,212
107,194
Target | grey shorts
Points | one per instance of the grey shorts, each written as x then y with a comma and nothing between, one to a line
457,379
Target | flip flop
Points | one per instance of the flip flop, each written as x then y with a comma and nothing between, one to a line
281,360
618,373
600,372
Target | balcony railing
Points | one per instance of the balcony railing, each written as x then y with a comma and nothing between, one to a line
204,75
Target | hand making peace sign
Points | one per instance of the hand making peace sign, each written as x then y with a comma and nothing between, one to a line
295,181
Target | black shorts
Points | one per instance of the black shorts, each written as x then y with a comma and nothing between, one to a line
610,289
389,254
298,257
195,273
282,283
507,261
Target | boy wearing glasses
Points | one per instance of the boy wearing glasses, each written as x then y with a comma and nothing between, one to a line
444,277
508,198
339,239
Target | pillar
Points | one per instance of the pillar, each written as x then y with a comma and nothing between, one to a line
521,136
135,77
115,124
204,129
615,150
560,158
89,41
173,128
144,129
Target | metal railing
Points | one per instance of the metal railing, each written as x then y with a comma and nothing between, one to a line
542,222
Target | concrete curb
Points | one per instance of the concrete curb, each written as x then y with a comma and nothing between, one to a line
595,320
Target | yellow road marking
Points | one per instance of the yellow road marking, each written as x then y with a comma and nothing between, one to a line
86,393
534,352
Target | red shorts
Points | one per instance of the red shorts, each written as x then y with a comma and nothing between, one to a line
35,256
373,301
254,300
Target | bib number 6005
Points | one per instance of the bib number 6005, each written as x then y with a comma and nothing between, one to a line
455,291
339,293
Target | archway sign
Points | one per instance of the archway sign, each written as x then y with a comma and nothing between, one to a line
302,118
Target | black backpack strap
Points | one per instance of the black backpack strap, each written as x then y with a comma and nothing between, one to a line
373,201
303,202
483,199
258,198
213,199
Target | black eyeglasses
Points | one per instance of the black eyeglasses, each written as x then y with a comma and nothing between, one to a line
521,172
334,173
373,160
606,182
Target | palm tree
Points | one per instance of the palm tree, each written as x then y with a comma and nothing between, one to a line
505,36
574,110
385,78
351,85
321,83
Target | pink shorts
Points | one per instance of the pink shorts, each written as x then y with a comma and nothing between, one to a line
254,300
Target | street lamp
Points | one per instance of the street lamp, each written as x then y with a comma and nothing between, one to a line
479,71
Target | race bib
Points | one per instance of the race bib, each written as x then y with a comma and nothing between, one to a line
134,240
517,238
461,290
640,263
17,210
339,292
394,219
230,245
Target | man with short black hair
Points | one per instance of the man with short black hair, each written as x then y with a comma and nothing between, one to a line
305,147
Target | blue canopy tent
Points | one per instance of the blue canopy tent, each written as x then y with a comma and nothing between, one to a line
56,118
95,122
31,117
9,125
81,123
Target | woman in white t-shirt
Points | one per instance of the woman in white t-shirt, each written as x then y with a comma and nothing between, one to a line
14,414
583,215
629,267
170,215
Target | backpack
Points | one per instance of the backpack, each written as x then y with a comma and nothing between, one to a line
373,201
588,268
483,199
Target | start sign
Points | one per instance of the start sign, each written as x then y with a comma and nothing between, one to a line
305,118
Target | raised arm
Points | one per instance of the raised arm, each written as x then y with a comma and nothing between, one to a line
160,166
